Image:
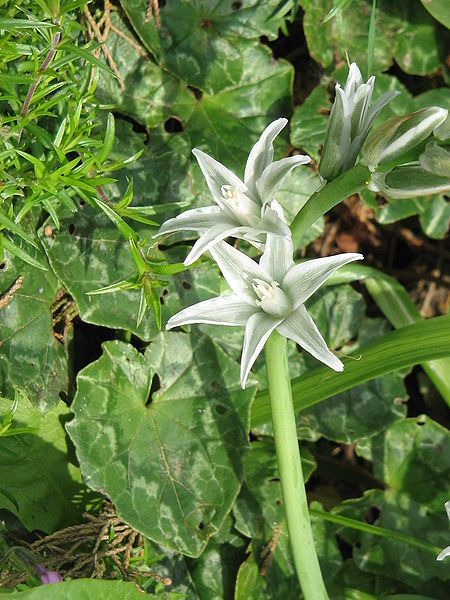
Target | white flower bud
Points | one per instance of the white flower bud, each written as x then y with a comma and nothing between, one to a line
399,135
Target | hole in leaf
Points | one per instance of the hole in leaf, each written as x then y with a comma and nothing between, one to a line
236,5
372,515
201,526
161,300
71,229
82,203
186,285
155,386
221,409
274,479
165,292
2,266
197,93
173,125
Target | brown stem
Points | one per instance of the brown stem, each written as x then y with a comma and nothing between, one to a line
48,59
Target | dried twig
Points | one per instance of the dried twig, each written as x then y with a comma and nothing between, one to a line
9,295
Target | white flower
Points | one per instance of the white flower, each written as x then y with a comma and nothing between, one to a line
351,118
245,209
446,551
267,296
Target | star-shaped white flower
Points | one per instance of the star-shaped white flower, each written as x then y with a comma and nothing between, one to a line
245,209
446,551
267,296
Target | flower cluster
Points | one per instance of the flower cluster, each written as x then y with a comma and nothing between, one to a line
352,115
265,296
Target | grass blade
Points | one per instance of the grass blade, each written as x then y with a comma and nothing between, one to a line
411,345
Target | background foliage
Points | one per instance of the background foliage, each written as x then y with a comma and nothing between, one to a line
111,408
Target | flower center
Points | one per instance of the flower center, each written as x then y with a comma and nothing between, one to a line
272,299
241,205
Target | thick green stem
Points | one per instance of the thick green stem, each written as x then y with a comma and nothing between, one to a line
323,200
290,470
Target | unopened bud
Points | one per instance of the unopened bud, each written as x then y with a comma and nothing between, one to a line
400,135
435,160
351,118
408,181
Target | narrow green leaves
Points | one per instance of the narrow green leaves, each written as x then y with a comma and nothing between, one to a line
411,345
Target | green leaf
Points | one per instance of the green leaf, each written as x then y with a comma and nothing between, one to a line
20,253
88,253
194,35
405,32
214,572
396,305
161,176
82,589
259,514
17,24
177,463
14,228
31,358
411,345
228,123
413,459
391,558
151,95
37,472
439,10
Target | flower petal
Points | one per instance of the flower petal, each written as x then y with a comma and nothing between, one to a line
305,278
300,327
445,552
259,326
225,310
277,257
238,269
196,219
354,79
216,174
274,174
261,154
378,106
211,237
273,221
337,137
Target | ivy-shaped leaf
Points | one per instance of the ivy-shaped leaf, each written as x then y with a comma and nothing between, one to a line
37,472
31,357
171,461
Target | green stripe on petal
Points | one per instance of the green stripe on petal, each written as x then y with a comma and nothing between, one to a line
227,310
305,278
211,237
274,174
216,174
238,269
261,155
258,328
196,219
277,257
300,328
